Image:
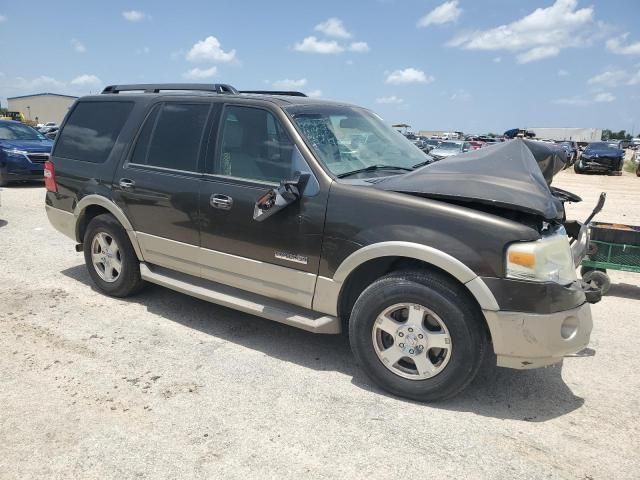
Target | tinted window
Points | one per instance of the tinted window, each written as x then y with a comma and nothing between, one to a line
175,137
254,146
142,144
92,130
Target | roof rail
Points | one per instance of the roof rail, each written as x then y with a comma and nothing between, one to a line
275,92
158,87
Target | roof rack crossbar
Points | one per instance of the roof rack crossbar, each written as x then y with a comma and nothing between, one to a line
158,87
275,92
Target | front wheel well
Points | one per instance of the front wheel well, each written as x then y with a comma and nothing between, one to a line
365,274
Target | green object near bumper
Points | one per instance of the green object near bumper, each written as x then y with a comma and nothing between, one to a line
613,256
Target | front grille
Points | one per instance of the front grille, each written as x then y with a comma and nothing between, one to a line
38,157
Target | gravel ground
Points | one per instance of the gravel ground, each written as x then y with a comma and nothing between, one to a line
166,386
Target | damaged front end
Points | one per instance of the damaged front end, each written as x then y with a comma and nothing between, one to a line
512,180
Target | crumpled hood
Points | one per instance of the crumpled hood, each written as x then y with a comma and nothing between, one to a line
515,175
32,146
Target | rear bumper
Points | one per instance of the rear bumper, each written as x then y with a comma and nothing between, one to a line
528,340
64,222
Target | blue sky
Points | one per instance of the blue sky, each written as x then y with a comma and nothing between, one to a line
472,65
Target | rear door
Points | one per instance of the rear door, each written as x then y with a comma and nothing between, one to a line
278,257
157,186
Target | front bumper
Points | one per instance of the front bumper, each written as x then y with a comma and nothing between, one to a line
527,340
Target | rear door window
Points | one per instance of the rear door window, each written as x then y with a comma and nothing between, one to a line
171,137
91,130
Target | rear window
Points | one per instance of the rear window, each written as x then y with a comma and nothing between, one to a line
92,130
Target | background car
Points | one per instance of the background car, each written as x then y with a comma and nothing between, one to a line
23,151
448,148
572,151
601,157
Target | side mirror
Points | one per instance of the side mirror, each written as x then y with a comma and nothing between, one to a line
276,199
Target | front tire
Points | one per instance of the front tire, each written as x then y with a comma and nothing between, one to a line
418,335
110,258
4,179
577,168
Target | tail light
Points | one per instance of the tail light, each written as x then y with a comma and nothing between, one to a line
50,177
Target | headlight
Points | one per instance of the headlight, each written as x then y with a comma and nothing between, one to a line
546,260
14,152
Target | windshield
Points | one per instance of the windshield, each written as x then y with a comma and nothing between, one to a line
597,145
19,131
449,146
347,139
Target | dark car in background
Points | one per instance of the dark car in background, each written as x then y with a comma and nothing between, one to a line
23,151
601,157
571,149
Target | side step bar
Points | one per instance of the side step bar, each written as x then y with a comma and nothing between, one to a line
241,300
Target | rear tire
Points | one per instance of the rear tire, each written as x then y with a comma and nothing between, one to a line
110,258
577,168
4,180
386,311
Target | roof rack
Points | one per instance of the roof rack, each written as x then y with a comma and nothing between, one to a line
275,92
158,87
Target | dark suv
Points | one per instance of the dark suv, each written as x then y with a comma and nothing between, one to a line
274,205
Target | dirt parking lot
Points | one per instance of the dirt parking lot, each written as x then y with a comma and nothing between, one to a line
167,386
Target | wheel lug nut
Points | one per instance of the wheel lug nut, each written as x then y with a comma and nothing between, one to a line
411,351
411,329
401,334
420,335
401,345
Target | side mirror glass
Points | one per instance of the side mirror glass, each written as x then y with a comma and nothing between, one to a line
276,199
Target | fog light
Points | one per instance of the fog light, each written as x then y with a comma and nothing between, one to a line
569,327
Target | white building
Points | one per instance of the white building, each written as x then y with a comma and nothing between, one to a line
42,107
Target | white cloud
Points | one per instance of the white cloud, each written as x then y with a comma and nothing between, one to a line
3,18
134,15
78,46
445,13
497,59
392,100
313,45
200,73
617,45
537,53
634,79
40,82
408,75
609,78
210,50
359,47
143,51
315,94
86,81
562,73
333,27
575,101
460,96
541,34
604,97
288,84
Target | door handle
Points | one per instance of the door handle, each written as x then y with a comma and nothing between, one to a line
223,202
126,184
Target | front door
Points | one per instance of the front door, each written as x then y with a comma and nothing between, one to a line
279,256
158,185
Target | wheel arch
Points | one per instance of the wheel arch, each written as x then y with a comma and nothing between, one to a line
93,205
336,296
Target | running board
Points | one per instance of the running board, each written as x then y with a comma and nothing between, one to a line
241,300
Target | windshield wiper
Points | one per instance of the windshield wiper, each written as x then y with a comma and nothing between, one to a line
373,168
426,162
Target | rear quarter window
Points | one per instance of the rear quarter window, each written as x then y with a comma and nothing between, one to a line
91,130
